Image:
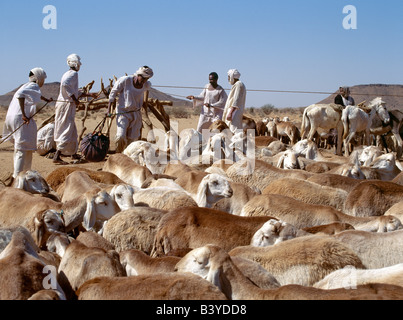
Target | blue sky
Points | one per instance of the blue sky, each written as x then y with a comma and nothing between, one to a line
276,45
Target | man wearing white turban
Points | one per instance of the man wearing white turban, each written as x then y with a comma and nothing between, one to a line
235,106
65,133
22,108
133,92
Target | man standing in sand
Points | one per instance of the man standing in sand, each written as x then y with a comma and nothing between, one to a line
65,133
20,125
235,105
133,93
212,99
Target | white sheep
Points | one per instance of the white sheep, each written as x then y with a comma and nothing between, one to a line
126,169
350,278
376,250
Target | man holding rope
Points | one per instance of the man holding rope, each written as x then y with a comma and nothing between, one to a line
19,125
65,134
132,91
212,99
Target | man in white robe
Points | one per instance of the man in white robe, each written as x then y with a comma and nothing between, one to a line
65,132
235,105
212,100
19,118
133,92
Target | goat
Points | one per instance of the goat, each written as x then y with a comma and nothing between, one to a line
194,227
215,265
126,169
304,215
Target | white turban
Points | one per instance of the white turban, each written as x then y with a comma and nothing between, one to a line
233,74
39,76
145,72
74,61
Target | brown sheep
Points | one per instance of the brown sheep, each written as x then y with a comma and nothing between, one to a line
372,198
194,227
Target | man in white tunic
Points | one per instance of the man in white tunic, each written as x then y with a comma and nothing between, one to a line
65,133
235,106
212,99
132,91
20,115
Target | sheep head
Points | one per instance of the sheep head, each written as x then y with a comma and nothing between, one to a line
123,196
385,162
100,206
212,188
31,181
273,232
45,224
288,160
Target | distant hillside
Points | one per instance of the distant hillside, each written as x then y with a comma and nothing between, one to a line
52,90
391,94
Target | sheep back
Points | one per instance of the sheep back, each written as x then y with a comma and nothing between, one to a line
195,227
303,261
133,229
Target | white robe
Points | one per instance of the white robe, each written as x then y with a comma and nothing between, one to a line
236,98
216,97
128,109
65,134
25,137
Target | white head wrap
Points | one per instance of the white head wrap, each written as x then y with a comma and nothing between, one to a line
39,76
145,72
74,61
233,74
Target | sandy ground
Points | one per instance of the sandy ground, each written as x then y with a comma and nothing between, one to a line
45,166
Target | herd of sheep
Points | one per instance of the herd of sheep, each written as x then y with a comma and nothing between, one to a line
293,222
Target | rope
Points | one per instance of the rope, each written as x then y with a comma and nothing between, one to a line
4,139
273,91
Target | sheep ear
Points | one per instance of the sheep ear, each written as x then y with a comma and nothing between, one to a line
280,162
214,276
89,215
39,229
202,193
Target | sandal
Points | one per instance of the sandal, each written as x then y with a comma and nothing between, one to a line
60,161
